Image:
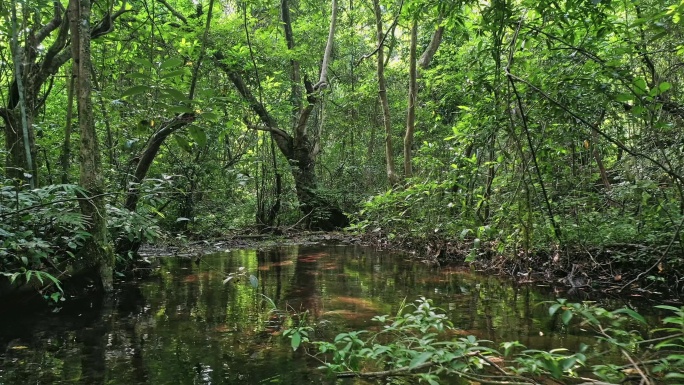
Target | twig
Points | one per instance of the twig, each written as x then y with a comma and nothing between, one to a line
384,36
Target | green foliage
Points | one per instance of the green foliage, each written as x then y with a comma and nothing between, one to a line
40,230
419,341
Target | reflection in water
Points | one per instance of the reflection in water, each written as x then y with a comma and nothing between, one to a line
185,326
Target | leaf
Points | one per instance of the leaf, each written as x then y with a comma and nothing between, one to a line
183,142
419,359
639,86
179,109
566,317
174,94
634,315
173,62
174,74
296,340
139,76
664,86
198,135
254,281
624,97
135,90
144,62
554,308
209,115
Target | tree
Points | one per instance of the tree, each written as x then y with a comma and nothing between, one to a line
296,147
392,176
96,252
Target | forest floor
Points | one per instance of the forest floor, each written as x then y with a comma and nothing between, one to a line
622,269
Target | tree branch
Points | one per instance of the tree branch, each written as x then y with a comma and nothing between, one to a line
173,11
323,81
53,24
431,49
384,36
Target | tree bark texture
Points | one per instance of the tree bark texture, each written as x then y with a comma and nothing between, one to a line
96,252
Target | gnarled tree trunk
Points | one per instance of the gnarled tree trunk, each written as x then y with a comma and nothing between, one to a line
297,148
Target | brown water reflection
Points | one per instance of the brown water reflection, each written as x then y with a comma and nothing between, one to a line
185,326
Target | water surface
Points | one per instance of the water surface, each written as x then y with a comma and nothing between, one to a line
184,325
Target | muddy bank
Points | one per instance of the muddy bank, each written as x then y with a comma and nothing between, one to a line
649,271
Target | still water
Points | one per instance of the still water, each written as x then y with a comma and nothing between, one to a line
184,325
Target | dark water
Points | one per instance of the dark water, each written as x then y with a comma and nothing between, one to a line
183,325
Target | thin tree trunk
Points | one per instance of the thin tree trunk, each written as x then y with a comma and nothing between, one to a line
30,169
96,253
66,146
382,92
412,98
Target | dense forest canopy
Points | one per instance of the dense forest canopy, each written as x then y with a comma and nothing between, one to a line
510,127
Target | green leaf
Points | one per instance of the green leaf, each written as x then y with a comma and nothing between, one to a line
135,90
179,109
554,308
209,115
175,94
170,63
144,62
254,281
566,317
664,86
174,74
639,86
198,135
183,142
296,340
632,314
419,359
139,76
624,97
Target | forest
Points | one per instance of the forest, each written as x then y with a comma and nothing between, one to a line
518,133
541,140
511,132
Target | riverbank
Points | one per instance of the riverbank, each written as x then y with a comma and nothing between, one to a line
620,269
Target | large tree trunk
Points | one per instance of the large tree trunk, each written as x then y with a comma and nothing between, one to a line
96,253
297,148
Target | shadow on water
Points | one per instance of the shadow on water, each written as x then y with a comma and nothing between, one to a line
184,325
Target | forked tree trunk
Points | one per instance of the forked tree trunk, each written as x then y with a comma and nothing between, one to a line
96,253
297,148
